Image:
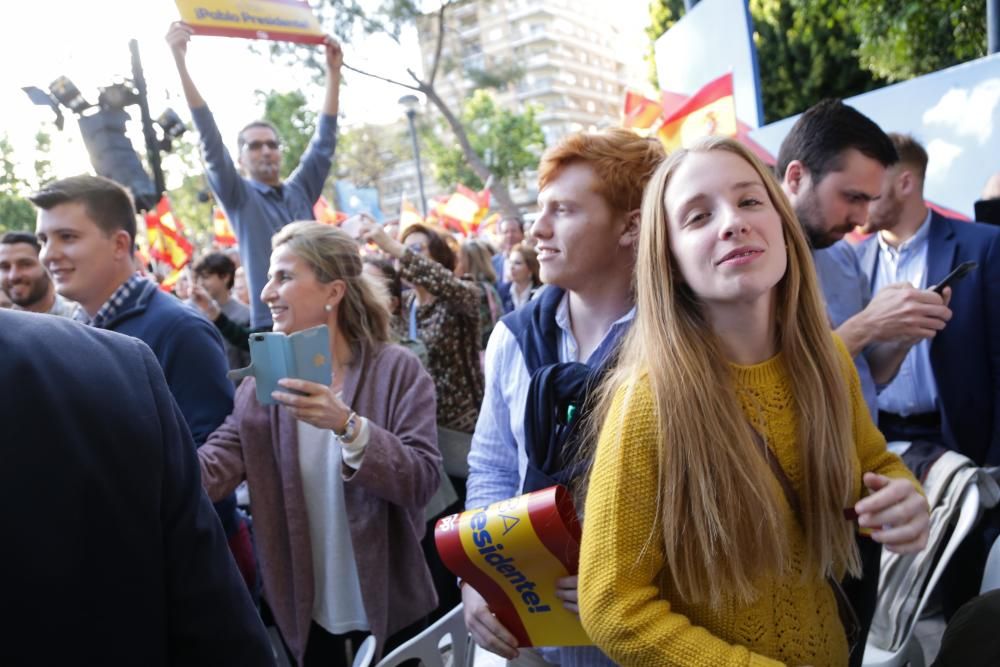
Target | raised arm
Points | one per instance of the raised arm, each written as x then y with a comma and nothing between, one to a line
314,166
220,171
178,37
334,61
424,272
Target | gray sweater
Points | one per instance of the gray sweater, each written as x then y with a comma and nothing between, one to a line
255,210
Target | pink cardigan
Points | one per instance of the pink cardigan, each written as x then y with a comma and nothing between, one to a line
385,497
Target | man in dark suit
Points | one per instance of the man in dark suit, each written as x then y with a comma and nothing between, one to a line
947,390
112,553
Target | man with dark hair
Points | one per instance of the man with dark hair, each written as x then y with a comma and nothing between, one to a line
831,166
590,190
86,226
112,551
214,274
25,281
261,204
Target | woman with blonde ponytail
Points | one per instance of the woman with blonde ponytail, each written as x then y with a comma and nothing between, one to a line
339,472
698,549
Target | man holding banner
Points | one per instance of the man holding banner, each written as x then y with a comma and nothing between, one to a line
260,204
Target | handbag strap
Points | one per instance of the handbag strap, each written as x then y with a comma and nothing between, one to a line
413,318
494,310
848,617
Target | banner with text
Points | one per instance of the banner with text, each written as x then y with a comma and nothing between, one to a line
512,552
277,20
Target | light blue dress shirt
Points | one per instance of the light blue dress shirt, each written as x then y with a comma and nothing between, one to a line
498,460
913,390
846,292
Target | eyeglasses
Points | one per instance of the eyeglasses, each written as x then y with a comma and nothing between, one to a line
417,246
257,145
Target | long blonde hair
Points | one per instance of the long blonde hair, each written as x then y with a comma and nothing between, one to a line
718,509
363,314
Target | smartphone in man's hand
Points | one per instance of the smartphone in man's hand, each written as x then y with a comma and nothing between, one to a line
957,274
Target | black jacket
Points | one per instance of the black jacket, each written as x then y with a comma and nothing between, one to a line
112,553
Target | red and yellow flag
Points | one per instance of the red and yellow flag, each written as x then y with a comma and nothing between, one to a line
165,233
327,214
511,553
464,210
167,284
222,230
710,111
639,111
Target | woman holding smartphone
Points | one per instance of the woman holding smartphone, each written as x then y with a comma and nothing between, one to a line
339,473
734,438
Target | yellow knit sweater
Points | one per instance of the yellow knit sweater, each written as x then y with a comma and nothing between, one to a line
629,607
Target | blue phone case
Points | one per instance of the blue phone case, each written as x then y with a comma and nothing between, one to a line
304,355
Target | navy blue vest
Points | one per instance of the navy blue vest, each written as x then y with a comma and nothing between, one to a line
557,394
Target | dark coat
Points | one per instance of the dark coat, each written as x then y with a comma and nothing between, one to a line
112,553
192,357
965,356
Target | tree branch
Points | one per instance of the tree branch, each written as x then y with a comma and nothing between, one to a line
475,163
382,78
440,44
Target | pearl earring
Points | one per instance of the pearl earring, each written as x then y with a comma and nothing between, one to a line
328,308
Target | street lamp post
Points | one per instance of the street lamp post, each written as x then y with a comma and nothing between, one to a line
409,103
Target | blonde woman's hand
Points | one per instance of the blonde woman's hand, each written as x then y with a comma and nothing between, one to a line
896,512
318,405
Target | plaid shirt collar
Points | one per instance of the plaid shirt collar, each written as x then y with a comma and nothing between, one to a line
114,304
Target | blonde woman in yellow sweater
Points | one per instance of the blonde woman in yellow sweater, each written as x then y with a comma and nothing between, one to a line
692,554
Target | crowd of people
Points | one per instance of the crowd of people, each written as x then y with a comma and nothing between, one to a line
735,364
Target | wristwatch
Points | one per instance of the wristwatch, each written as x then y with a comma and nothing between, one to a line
350,430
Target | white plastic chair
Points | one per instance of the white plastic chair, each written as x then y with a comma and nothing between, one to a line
365,653
427,646
991,575
911,651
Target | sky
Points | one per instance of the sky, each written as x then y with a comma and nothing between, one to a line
88,42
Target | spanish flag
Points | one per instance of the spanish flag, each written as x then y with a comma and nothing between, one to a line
165,233
710,111
639,111
465,209
328,215
167,285
223,231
